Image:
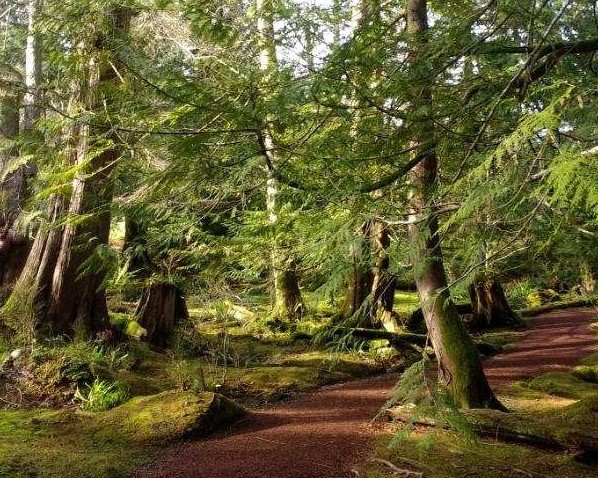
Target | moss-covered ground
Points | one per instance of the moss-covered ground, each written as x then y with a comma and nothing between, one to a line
557,410
46,431
239,352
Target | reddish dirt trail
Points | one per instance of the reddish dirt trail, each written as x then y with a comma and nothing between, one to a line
318,435
553,342
323,434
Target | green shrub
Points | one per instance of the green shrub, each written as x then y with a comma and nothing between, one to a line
518,293
101,395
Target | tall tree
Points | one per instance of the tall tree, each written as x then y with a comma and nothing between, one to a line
60,287
14,243
459,365
288,302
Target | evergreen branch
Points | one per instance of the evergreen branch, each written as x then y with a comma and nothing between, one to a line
404,170
559,48
173,132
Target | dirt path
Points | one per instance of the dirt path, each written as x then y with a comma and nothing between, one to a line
554,341
323,434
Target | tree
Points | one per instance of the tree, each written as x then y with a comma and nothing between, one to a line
14,243
459,365
62,279
288,303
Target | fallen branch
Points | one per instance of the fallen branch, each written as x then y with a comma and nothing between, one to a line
396,469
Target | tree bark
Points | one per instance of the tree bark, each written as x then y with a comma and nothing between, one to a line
288,303
161,307
357,305
383,283
489,305
459,365
370,292
59,290
14,244
77,301
13,250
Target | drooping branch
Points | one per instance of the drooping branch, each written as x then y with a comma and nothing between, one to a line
560,48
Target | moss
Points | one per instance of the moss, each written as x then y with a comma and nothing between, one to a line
587,373
54,444
449,455
563,384
580,417
406,302
590,359
127,325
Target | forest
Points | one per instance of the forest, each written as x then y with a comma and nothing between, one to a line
298,238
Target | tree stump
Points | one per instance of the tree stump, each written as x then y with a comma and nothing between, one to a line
160,308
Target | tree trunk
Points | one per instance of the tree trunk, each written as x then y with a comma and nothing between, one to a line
25,305
13,249
357,306
459,365
489,305
383,283
14,244
370,292
288,303
59,290
77,302
160,308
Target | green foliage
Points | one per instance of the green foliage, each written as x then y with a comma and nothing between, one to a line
101,395
518,293
421,399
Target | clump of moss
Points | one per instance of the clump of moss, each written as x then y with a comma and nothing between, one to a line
587,373
54,444
563,384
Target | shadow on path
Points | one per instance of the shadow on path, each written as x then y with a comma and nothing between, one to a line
324,433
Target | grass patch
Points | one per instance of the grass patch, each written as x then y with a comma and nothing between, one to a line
563,384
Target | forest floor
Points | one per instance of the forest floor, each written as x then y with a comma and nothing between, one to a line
328,433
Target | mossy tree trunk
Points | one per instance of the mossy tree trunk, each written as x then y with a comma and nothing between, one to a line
161,307
459,364
60,288
489,304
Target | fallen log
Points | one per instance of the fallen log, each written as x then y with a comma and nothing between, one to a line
402,339
531,312
394,338
582,447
